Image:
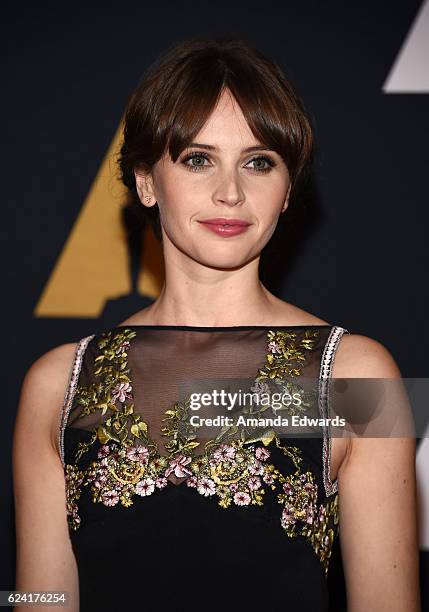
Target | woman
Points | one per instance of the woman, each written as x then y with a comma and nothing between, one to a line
154,513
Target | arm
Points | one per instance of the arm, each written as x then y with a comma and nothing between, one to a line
377,497
45,559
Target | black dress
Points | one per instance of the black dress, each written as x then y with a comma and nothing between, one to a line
169,510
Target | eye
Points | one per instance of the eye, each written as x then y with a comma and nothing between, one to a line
262,163
197,161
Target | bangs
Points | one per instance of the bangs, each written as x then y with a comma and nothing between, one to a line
267,104
179,92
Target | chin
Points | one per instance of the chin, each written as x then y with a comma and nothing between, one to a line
223,262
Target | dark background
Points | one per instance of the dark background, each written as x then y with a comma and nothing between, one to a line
68,70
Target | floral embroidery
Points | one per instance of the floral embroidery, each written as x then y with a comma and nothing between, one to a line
232,468
302,516
286,355
283,365
74,479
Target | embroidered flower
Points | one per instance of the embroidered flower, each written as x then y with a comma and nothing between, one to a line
122,391
138,453
262,454
254,483
242,499
103,451
192,481
177,465
299,498
123,347
206,487
256,468
110,498
225,452
287,517
145,487
161,482
74,479
274,347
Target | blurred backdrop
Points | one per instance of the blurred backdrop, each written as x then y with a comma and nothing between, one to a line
76,260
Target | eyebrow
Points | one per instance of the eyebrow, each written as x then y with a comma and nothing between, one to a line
212,148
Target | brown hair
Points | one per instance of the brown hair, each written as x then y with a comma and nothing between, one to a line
179,91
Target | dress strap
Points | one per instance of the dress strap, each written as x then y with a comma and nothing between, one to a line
71,390
326,366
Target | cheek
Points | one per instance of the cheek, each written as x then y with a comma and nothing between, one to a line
271,187
175,200
268,201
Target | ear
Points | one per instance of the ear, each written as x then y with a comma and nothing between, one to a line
286,202
144,186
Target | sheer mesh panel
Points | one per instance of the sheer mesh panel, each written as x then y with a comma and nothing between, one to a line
164,364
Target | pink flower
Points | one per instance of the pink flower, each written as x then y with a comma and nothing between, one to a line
287,518
192,481
233,486
161,482
122,391
309,515
268,478
254,483
110,498
177,465
225,452
274,347
124,346
101,477
206,486
145,487
103,451
242,499
257,468
138,453
262,454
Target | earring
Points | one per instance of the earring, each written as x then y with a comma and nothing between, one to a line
148,198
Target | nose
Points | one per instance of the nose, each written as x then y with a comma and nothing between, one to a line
229,189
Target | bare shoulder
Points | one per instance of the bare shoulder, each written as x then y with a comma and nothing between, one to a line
377,485
359,356
43,389
48,562
286,313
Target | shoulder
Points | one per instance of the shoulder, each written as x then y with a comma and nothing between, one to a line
359,356
43,390
51,368
377,483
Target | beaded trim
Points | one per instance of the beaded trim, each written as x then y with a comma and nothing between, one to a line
324,378
70,391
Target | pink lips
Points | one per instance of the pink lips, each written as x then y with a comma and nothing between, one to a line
226,227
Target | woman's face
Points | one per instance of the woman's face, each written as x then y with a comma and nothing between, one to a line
219,178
